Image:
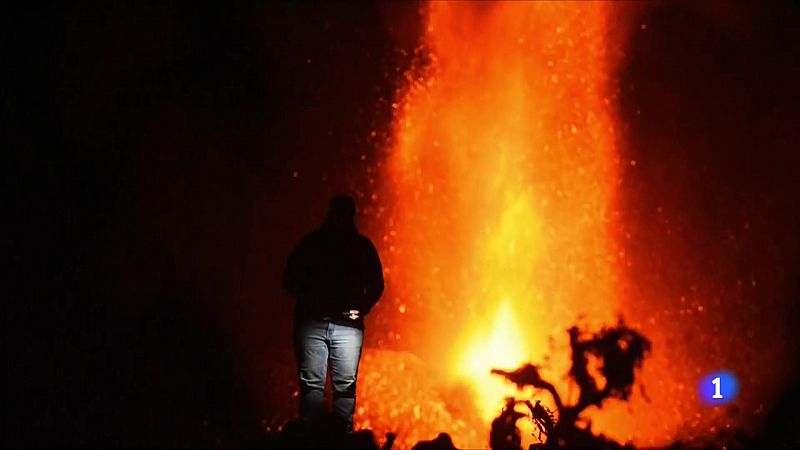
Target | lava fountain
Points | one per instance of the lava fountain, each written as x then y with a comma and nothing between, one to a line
502,179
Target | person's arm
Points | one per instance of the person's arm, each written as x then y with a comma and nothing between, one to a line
373,278
295,275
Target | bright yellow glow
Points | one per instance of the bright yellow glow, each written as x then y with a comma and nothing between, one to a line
502,349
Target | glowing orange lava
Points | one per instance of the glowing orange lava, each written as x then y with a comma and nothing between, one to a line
502,174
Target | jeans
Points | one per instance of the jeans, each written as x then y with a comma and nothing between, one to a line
317,343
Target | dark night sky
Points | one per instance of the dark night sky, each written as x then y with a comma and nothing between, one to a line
151,196
154,202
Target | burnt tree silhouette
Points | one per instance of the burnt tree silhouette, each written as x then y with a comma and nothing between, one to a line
620,350
504,433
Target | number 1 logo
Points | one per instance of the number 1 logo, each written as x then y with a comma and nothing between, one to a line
716,382
718,388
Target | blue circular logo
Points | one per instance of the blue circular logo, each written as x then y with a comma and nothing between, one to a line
718,388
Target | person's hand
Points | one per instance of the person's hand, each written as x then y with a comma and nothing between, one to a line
353,314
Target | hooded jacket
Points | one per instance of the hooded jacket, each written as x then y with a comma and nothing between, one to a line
332,271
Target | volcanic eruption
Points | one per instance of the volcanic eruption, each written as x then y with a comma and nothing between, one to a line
502,176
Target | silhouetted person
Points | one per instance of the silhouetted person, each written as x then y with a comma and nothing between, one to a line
336,276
